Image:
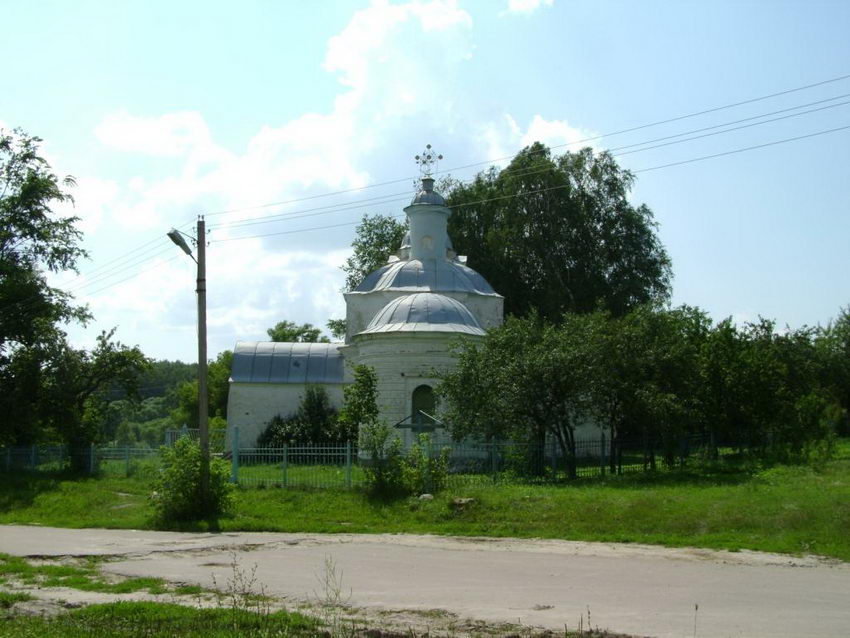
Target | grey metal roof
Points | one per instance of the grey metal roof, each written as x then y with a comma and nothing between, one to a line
429,275
275,362
428,197
424,312
427,194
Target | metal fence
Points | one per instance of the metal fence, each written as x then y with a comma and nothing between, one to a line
217,437
344,466
108,461
469,462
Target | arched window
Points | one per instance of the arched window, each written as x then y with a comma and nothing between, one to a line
425,402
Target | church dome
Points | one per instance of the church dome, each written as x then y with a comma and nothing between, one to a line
424,312
430,275
427,194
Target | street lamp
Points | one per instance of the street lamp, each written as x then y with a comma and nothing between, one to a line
203,418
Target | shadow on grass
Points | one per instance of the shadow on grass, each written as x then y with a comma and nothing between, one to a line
696,477
19,490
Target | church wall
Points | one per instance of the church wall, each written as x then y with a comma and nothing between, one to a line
403,361
251,406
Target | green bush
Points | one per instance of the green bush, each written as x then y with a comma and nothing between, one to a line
423,472
383,469
389,472
315,421
177,489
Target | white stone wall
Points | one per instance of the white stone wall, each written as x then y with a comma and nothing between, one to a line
403,361
362,307
251,406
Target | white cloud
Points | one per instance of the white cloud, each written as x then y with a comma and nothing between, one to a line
527,6
400,72
169,135
92,200
504,137
555,133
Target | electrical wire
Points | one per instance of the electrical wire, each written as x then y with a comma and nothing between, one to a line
403,196
507,157
552,188
127,261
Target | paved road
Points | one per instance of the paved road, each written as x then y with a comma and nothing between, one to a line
634,589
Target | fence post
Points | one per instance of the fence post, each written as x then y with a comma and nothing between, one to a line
428,480
234,454
493,460
33,451
127,461
285,463
8,459
348,464
554,460
602,452
92,459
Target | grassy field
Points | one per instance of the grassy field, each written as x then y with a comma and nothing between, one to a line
791,509
132,619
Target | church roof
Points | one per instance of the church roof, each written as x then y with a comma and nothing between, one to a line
427,194
424,312
276,362
430,275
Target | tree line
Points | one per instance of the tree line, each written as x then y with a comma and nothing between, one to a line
585,278
651,378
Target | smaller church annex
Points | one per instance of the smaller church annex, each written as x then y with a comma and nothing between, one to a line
401,320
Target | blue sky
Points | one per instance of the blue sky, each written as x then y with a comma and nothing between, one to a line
163,110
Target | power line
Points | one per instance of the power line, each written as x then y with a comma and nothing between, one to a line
126,264
403,196
503,197
553,188
499,159
729,130
158,264
120,258
386,198
741,150
746,119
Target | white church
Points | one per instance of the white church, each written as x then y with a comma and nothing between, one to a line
401,320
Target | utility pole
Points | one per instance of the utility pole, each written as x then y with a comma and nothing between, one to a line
203,403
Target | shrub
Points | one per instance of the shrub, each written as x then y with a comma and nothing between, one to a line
177,489
423,472
315,421
384,474
280,431
389,472
360,402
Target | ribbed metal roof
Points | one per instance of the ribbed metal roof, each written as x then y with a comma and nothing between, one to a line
430,275
274,362
424,312
427,194
428,197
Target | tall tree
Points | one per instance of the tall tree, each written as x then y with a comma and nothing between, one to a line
32,239
360,404
218,388
559,234
289,331
528,380
376,238
76,383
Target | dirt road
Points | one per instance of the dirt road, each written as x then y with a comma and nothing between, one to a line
633,589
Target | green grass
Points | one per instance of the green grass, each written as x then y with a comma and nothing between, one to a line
132,619
8,599
792,509
84,576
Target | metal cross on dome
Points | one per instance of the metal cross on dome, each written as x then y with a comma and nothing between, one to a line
427,160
